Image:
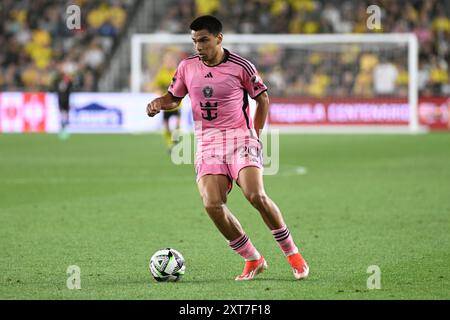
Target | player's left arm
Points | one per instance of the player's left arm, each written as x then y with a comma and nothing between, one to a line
262,109
257,90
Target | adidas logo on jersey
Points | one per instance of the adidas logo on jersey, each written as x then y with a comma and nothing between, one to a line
209,75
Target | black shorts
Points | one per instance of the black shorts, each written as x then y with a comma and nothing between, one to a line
64,107
64,104
168,114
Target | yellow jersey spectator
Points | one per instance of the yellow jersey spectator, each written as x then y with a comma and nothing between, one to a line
206,7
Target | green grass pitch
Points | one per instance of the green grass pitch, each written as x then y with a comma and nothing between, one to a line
106,202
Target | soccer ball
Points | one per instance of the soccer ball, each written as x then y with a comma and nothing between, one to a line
167,265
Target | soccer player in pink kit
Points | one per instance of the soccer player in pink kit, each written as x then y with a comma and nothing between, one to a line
218,82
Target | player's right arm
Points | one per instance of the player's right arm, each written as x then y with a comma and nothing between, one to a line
165,102
172,99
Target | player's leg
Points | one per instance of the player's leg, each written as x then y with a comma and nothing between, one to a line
176,133
178,120
213,190
64,120
167,134
251,182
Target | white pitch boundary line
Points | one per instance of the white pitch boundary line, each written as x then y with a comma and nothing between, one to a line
292,171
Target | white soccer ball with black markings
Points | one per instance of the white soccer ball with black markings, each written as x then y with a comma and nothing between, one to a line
167,265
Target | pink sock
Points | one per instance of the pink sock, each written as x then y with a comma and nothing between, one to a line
285,241
244,247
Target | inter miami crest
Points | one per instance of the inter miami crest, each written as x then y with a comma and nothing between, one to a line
207,92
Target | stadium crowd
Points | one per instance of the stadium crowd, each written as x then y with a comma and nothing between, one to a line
36,44
358,71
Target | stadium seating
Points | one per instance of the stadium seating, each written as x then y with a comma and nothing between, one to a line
429,20
34,41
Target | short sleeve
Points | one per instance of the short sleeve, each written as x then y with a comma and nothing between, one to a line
252,82
178,86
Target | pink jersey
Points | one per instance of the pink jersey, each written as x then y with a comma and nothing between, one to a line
219,94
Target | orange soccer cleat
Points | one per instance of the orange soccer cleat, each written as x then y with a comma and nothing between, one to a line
299,266
252,268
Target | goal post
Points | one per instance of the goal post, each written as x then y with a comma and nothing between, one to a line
328,49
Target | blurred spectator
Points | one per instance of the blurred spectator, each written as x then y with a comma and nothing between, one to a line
94,56
438,74
385,76
402,81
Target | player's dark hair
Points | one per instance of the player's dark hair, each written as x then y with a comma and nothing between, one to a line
210,23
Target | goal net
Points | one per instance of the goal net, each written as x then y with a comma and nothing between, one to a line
317,83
